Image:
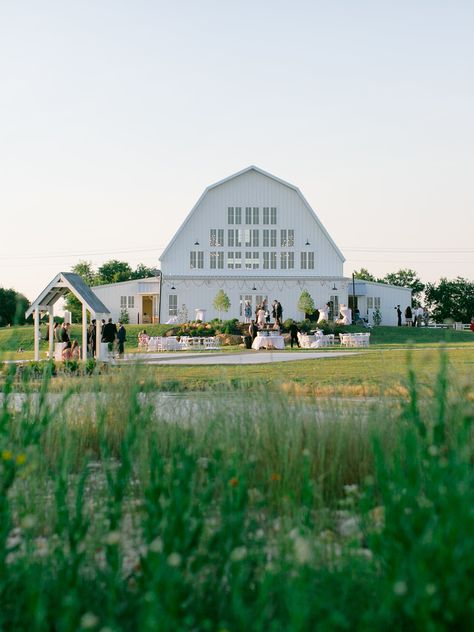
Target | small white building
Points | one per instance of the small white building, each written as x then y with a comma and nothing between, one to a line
256,237
139,299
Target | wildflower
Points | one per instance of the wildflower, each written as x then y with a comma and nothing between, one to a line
28,522
113,537
89,621
174,559
156,546
306,453
349,527
400,588
233,482
20,459
275,477
302,550
351,490
7,455
433,450
430,589
238,554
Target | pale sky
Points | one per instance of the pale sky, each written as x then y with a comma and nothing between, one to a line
115,116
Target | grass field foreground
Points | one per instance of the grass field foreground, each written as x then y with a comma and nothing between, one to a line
119,511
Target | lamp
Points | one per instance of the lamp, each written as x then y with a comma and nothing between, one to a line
173,287
307,242
334,288
254,289
196,243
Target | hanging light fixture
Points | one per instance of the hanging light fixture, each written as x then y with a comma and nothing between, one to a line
254,289
307,242
173,287
334,288
196,243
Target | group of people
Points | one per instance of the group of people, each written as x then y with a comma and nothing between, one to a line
414,317
110,333
61,333
262,317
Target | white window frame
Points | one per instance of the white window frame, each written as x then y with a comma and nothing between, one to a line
230,215
273,215
256,215
248,215
172,305
238,215
123,302
131,302
266,215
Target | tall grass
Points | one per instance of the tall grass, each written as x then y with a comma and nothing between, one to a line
124,509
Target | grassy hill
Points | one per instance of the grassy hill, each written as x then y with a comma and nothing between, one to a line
14,338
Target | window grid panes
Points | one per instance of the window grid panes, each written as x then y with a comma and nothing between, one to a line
131,302
255,238
230,238
283,238
256,215
266,215
291,237
238,215
248,214
310,260
230,215
273,238
273,215
266,238
273,260
173,305
123,302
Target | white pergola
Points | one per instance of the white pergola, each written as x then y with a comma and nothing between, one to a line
62,284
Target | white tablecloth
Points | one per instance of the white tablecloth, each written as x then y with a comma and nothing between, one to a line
273,341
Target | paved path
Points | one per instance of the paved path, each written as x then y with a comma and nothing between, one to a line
255,357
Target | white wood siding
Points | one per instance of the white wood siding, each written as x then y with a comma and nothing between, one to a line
253,189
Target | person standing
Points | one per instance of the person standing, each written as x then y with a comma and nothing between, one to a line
92,335
294,331
65,337
279,313
399,316
109,333
121,338
408,316
248,311
253,330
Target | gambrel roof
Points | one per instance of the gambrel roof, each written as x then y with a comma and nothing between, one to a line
268,175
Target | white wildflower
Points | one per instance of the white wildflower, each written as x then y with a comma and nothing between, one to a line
174,559
238,554
400,588
156,546
28,521
113,537
302,550
89,621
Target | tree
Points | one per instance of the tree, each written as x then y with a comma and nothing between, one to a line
364,275
221,302
306,304
143,272
406,278
83,269
13,306
450,299
114,271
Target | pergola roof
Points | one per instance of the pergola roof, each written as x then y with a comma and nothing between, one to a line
63,283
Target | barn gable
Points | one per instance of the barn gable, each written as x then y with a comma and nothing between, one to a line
251,188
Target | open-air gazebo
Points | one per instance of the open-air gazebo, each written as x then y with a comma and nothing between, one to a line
62,284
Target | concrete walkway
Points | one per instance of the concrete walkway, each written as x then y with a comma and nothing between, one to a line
245,357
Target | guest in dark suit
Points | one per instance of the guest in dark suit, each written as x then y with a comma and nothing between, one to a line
109,333
65,337
253,330
121,338
294,334
92,337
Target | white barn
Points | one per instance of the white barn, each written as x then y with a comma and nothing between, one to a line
256,237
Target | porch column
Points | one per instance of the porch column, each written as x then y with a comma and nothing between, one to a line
51,331
98,336
84,332
37,333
